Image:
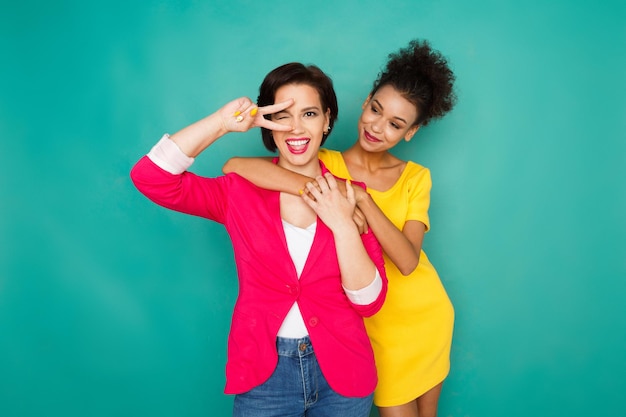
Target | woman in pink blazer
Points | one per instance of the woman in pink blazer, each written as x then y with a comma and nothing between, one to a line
307,276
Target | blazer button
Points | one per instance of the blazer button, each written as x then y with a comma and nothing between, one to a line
313,321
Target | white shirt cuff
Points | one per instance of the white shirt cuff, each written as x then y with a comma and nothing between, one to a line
366,295
168,156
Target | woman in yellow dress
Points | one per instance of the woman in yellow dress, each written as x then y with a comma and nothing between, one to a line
412,333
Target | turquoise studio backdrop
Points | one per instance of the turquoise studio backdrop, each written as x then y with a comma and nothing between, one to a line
112,306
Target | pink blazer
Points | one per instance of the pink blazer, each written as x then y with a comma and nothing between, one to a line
268,282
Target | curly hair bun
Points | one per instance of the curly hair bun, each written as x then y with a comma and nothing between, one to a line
422,75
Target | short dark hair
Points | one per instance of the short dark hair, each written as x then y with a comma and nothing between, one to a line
297,73
423,77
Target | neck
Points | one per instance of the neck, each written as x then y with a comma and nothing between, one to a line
371,160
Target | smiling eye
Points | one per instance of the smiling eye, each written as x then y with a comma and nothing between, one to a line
395,125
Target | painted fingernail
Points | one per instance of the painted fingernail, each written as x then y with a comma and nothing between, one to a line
254,111
237,113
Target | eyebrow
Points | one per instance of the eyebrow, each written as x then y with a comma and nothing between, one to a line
304,110
395,117
311,108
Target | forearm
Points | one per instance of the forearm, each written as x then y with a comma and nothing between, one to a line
238,115
196,137
263,173
357,269
403,252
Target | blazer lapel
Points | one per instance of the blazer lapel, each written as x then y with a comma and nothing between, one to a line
318,255
282,250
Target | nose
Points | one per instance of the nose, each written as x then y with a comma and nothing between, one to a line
297,125
377,126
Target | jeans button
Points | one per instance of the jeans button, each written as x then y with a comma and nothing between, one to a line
302,347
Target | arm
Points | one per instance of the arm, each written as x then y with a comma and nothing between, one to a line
162,175
239,115
357,268
402,247
265,174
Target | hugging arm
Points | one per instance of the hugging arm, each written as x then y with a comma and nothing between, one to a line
402,246
263,173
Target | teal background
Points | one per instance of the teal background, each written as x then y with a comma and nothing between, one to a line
112,306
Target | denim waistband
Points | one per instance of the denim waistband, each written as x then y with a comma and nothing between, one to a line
294,347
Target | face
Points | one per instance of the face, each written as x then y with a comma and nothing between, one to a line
387,118
298,148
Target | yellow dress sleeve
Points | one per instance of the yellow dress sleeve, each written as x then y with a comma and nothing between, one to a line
419,184
334,162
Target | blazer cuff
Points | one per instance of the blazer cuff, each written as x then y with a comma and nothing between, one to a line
366,295
167,155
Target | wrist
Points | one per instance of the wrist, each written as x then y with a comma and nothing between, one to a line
363,200
344,228
215,126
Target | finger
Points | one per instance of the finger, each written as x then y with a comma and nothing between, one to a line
240,104
366,226
276,107
310,201
358,213
245,112
312,188
268,124
330,179
250,111
322,184
350,192
306,191
358,220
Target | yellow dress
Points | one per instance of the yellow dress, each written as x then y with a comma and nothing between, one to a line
412,334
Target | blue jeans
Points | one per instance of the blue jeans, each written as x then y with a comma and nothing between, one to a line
297,388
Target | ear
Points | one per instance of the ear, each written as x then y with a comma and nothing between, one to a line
411,132
367,100
327,116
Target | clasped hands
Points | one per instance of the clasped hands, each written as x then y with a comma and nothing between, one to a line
325,190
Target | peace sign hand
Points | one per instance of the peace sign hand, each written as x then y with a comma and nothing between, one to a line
240,115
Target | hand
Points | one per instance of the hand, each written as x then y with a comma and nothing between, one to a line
359,192
324,197
242,114
359,219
